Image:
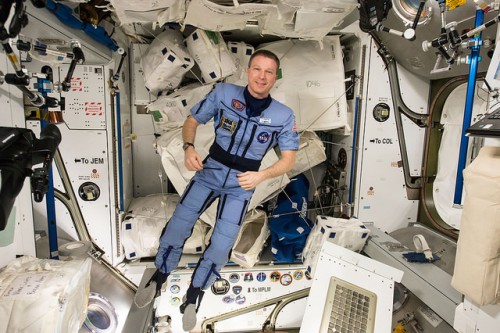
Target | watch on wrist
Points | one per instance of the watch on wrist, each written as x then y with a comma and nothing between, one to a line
186,145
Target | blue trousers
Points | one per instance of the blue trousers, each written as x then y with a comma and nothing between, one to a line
214,181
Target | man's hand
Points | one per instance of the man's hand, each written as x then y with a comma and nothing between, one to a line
192,160
250,179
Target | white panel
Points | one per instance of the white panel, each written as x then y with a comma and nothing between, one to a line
359,270
85,156
470,318
147,167
85,102
126,129
140,95
381,195
255,288
415,94
144,154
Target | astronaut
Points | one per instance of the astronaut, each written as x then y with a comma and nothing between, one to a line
247,123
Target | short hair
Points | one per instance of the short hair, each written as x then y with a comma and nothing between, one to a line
267,54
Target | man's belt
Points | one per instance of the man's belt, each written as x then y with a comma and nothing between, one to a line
232,161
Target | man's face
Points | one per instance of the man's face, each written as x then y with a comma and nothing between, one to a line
261,76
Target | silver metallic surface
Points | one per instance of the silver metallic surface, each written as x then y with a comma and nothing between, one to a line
443,247
430,283
410,53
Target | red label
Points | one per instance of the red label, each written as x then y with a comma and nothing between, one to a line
93,109
76,84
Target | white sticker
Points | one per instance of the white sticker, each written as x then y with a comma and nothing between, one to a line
430,315
25,285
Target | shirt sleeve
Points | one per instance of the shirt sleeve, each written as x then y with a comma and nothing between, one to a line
288,138
207,108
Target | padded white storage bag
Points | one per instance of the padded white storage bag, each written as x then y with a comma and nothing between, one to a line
144,222
165,62
477,264
241,53
305,19
135,11
251,239
312,82
44,295
169,146
311,153
349,233
210,52
210,16
171,110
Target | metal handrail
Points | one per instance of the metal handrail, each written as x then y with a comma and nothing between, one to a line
208,325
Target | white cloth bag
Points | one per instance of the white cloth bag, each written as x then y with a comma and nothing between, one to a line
251,239
147,11
241,53
210,52
144,222
305,19
172,109
312,82
165,62
44,295
477,264
351,234
311,153
211,16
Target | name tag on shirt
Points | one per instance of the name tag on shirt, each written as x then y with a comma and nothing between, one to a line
227,124
265,121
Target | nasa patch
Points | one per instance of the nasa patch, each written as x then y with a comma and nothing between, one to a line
263,137
238,105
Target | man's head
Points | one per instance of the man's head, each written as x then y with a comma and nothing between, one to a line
262,73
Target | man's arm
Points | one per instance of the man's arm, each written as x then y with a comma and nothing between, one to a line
192,160
250,179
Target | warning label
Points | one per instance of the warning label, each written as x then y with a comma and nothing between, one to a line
76,84
430,315
93,108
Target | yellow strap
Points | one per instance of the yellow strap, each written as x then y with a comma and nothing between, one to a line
399,329
452,4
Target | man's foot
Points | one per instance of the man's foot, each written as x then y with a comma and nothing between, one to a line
189,315
189,307
147,292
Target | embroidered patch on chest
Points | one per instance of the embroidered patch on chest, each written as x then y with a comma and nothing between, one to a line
265,121
263,137
238,105
227,124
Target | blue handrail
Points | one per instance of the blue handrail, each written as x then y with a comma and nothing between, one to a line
469,101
